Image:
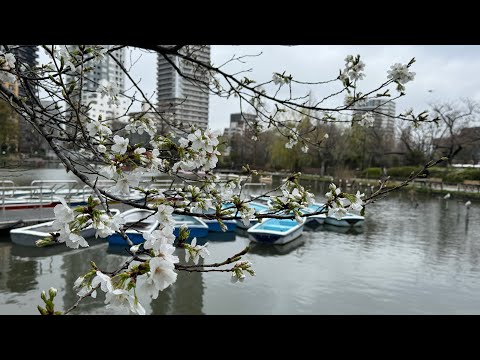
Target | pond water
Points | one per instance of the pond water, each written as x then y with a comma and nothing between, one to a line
410,257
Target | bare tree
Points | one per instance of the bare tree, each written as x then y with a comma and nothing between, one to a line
455,127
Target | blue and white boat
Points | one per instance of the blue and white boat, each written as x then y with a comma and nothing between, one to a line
213,224
139,222
198,228
28,235
276,231
221,236
347,220
259,208
315,219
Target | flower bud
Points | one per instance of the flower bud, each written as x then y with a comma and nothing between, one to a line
134,248
52,292
45,242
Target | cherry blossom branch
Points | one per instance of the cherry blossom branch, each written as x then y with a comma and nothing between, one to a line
80,299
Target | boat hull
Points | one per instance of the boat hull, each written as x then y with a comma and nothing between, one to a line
28,237
198,232
140,222
277,239
117,239
197,227
349,222
221,236
318,219
315,219
214,226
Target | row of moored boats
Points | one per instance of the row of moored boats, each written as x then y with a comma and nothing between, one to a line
140,222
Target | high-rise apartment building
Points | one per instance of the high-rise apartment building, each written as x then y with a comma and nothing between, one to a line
184,99
107,69
384,114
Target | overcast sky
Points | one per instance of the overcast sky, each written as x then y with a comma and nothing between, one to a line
449,71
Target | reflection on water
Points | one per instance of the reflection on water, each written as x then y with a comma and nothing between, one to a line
313,227
221,236
411,257
272,250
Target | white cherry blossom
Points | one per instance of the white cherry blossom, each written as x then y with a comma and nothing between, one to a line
63,214
162,273
120,145
196,251
104,281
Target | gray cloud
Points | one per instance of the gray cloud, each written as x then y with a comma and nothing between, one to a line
450,71
447,70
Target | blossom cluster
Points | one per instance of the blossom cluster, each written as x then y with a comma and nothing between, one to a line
401,74
340,203
367,119
280,79
294,198
292,139
197,151
69,224
154,274
353,70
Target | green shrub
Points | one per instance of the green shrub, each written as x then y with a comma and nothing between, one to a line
472,174
454,176
372,173
438,172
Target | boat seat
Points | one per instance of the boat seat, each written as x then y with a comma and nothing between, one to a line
274,228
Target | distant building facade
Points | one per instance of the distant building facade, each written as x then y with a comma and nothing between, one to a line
107,69
33,143
384,114
238,136
161,121
238,125
25,55
185,100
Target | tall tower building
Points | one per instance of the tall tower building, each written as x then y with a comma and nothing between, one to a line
185,100
107,69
